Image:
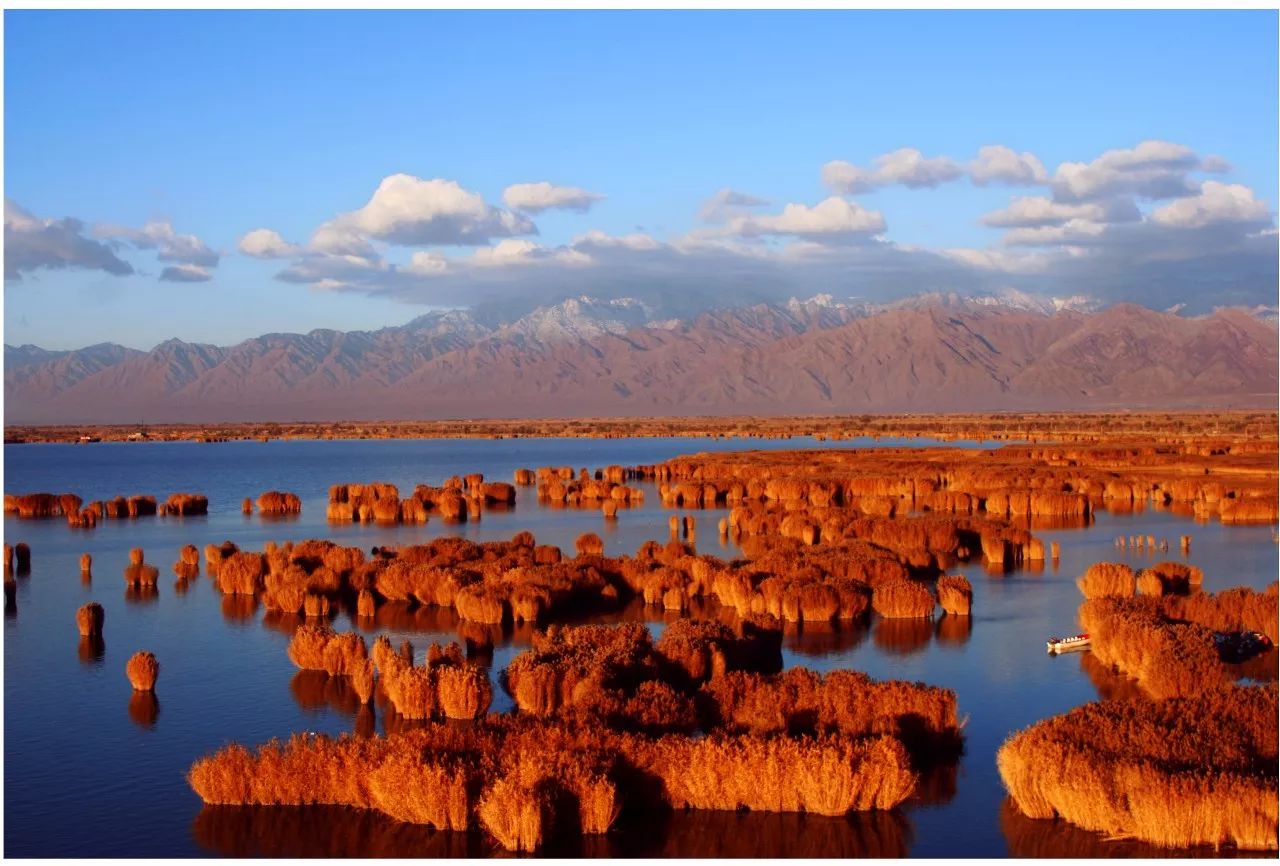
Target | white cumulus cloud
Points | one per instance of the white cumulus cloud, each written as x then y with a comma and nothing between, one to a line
906,167
831,217
267,244
1216,203
537,197
410,211
996,163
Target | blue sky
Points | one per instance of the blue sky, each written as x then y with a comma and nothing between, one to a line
218,123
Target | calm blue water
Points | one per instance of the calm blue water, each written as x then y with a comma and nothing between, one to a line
88,774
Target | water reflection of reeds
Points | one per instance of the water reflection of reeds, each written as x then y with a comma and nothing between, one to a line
91,649
141,594
954,630
1110,683
819,639
902,635
239,608
1034,837
323,831
336,831
316,690
144,709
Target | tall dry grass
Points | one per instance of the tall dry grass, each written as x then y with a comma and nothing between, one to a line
526,781
902,598
142,669
1176,773
89,619
1107,580
955,595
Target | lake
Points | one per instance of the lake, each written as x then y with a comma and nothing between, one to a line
90,771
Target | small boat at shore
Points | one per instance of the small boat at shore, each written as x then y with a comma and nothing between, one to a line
1057,645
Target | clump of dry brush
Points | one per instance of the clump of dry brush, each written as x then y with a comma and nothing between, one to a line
606,717
1167,642
142,670
526,780
1177,773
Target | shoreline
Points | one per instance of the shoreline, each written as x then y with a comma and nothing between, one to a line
1021,426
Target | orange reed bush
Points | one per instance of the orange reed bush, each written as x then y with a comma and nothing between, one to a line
589,544
432,790
366,605
86,563
142,670
135,556
241,573
1167,659
955,595
697,650
828,775
517,810
566,664
362,680
89,619
315,606
1232,610
141,575
534,779
844,701
413,691
215,553
320,648
278,502
1176,773
1107,579
903,598
189,554
463,691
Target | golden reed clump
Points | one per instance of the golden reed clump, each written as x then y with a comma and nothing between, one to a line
1107,579
847,702
279,502
1167,643
320,648
902,598
1177,773
1168,659
86,563
955,595
89,619
534,778
142,670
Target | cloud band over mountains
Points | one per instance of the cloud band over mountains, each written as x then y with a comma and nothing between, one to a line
1157,224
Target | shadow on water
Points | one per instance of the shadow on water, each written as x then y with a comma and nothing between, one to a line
1035,837
336,831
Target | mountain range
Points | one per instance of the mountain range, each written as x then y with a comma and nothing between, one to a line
591,357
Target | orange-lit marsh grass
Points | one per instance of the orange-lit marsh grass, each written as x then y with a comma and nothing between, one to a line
142,670
1167,643
523,780
1176,773
89,619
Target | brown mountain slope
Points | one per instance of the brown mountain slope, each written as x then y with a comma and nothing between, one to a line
753,360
